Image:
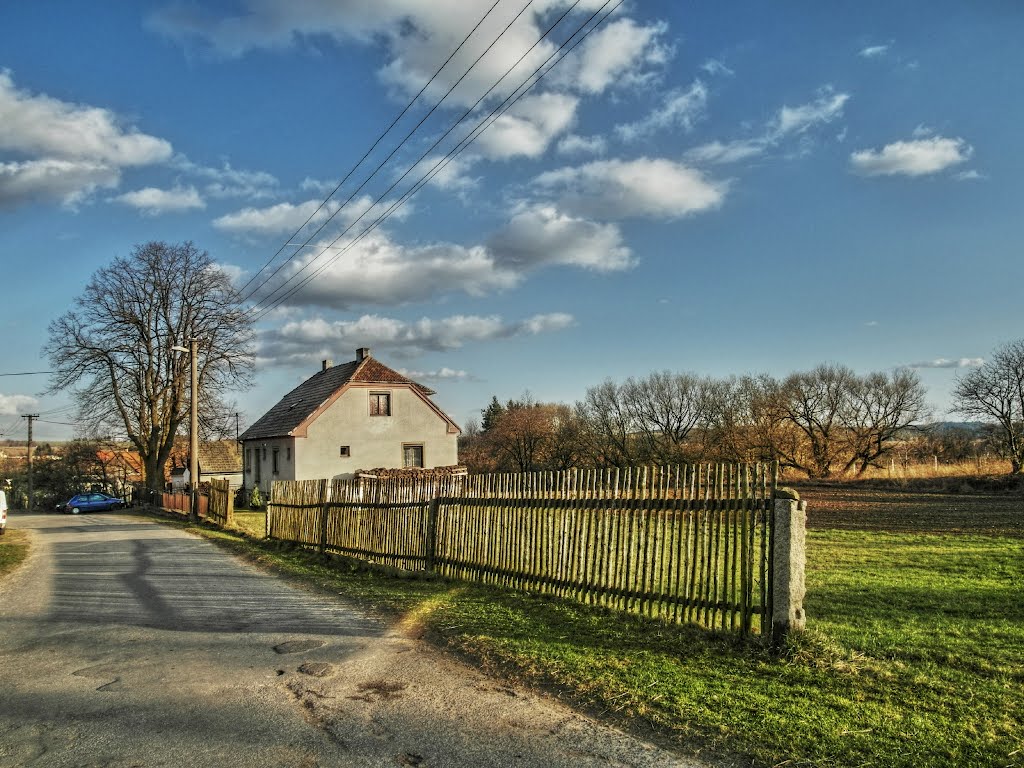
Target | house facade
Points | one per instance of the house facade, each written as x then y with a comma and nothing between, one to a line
358,415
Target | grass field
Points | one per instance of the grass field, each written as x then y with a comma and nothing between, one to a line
13,550
914,655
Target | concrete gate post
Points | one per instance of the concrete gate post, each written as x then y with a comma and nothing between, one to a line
789,555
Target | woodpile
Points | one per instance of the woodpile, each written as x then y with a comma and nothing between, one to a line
415,473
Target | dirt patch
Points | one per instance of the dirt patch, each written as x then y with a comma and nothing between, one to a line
381,689
886,509
298,646
317,669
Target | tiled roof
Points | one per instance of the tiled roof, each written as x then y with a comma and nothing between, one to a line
295,407
217,457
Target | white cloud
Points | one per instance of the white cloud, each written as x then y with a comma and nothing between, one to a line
40,125
282,218
874,51
441,374
787,123
971,175
53,179
574,144
714,67
152,201
731,152
285,218
308,340
63,151
529,127
542,235
12,405
619,53
645,187
942,362
680,110
796,120
919,157
227,182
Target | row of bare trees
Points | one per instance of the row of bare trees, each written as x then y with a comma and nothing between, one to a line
825,421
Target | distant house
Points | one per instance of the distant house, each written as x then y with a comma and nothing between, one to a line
218,460
358,415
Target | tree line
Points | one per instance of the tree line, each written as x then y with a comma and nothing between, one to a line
824,422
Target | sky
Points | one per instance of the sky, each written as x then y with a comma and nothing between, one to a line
715,188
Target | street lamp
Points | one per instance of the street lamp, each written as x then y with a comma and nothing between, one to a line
193,431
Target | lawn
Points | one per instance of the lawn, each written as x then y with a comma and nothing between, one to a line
13,550
913,658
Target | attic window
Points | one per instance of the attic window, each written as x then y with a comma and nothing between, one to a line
380,403
345,450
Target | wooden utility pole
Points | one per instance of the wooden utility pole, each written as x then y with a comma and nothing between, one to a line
193,464
30,417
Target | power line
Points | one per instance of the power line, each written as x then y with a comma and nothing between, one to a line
27,373
481,126
260,313
365,155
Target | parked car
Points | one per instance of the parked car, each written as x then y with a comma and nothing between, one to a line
92,502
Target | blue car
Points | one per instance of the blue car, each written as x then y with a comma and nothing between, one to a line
92,502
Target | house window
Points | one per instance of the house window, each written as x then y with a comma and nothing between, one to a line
288,453
412,456
264,453
346,451
380,403
275,460
248,459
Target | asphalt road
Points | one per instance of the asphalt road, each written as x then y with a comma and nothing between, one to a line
127,643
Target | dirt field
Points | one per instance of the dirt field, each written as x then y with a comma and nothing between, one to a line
836,506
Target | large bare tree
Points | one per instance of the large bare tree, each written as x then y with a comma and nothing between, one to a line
113,350
995,393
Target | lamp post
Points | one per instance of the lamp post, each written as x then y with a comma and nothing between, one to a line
193,431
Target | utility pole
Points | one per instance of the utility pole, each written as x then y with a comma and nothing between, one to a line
193,464
236,426
193,461
30,417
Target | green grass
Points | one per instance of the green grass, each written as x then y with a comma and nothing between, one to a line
13,550
914,657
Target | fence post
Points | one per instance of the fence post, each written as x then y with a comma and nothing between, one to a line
230,509
322,548
431,534
789,552
270,511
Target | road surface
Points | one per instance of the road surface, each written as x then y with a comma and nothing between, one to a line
127,643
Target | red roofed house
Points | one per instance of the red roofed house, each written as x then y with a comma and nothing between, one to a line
357,415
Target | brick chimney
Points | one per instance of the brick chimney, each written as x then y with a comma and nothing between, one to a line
362,353
326,364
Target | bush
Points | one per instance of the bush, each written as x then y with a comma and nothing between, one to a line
256,498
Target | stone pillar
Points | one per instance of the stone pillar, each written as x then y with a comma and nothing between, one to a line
789,554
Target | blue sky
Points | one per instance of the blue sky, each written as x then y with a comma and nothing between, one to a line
717,188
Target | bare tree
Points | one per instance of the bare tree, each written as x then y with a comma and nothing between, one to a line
665,408
995,393
880,408
607,426
816,403
114,349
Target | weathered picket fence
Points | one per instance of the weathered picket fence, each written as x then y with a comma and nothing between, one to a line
221,505
689,543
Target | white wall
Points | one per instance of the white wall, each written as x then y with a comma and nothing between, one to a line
374,441
263,455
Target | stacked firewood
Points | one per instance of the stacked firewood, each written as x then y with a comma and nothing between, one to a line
382,473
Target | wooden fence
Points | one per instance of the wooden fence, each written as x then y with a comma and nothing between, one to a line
688,543
181,501
221,504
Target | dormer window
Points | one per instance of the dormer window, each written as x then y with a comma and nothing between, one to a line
380,403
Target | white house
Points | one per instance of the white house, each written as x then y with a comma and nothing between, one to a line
358,415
